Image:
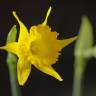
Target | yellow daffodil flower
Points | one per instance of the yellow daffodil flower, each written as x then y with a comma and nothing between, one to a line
39,46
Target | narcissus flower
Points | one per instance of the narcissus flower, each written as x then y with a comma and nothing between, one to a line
39,46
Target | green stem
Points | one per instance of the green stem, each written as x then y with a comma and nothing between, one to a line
11,61
77,85
79,68
12,64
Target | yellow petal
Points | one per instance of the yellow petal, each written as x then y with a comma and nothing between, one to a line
23,36
11,47
23,70
66,42
47,15
48,70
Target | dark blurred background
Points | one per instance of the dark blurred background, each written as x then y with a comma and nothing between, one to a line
65,18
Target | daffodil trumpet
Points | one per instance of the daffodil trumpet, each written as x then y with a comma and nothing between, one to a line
39,46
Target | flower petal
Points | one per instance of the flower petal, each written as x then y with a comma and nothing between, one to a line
48,70
65,42
23,71
23,30
11,47
47,15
